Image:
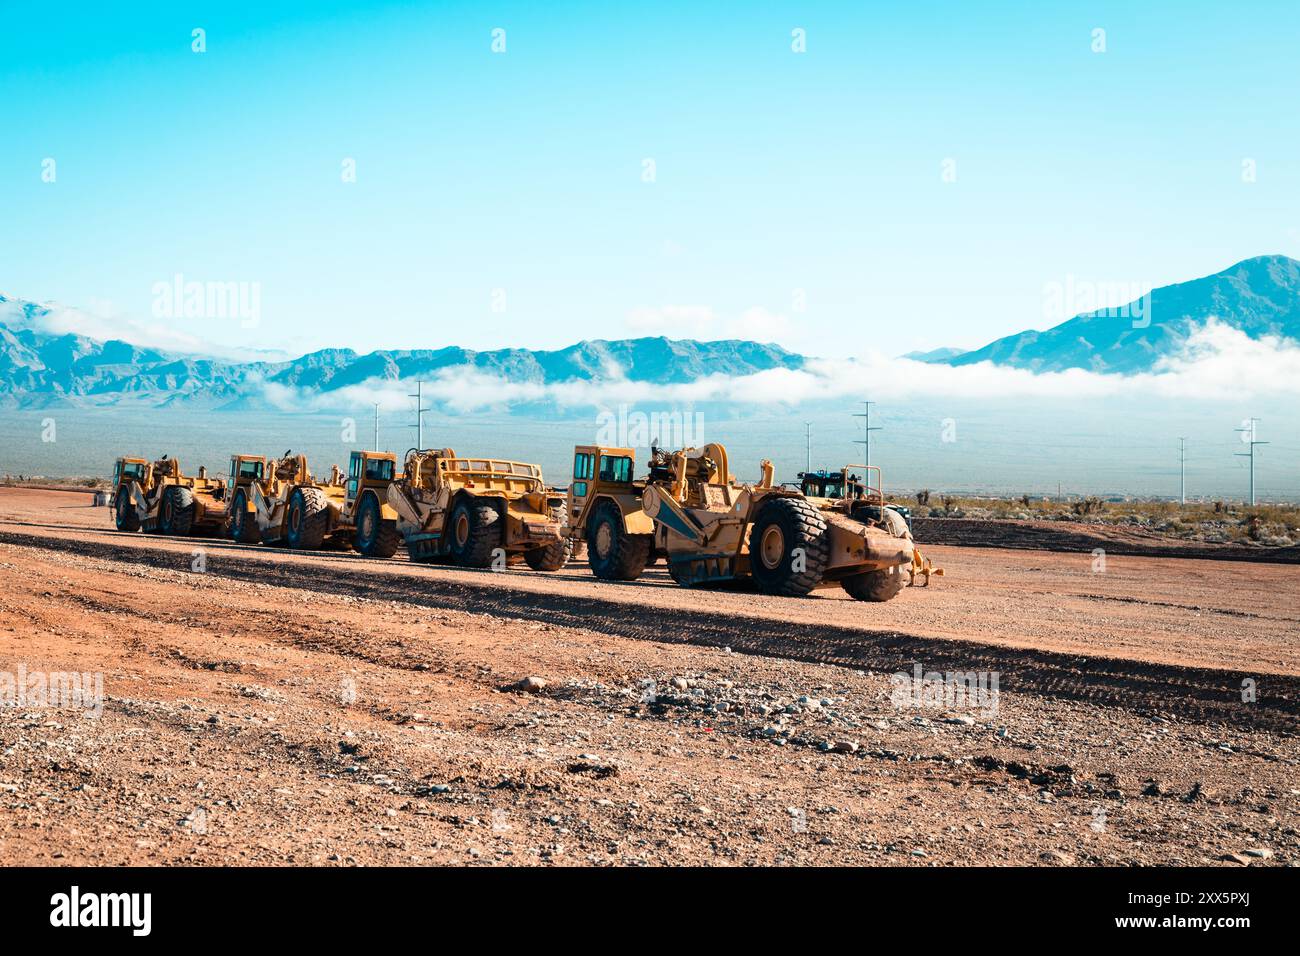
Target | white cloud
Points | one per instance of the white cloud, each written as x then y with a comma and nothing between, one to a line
103,322
1219,362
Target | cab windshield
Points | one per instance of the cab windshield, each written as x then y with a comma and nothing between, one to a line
824,487
615,468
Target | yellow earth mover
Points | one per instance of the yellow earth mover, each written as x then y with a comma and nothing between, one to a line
605,513
157,497
712,529
281,502
474,511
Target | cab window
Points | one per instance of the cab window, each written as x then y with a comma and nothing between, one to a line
615,468
354,466
133,469
582,465
250,469
379,469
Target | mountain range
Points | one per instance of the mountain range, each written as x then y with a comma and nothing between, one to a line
39,369
1259,296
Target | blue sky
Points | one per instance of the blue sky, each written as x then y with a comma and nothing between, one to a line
774,171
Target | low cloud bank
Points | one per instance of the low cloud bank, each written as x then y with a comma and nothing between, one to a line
103,323
1218,363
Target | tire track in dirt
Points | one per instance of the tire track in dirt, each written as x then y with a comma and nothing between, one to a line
1191,693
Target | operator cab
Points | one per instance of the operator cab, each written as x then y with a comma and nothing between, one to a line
128,469
830,484
369,468
599,469
245,468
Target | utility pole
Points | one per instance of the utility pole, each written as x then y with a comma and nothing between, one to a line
1249,432
867,429
376,404
418,395
1182,473
807,461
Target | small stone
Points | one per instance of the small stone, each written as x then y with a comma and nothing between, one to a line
680,683
531,685
1259,852
962,721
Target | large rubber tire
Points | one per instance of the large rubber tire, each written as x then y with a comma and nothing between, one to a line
615,555
243,526
124,514
473,531
375,537
308,519
875,585
782,526
553,556
176,512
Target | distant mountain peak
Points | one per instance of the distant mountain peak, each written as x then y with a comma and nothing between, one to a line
943,354
1259,296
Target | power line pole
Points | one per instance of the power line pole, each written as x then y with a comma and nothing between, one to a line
1182,473
1249,431
807,461
867,429
418,395
376,404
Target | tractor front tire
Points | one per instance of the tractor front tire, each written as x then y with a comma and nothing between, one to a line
875,585
308,519
243,526
176,514
788,549
124,514
375,537
473,532
615,555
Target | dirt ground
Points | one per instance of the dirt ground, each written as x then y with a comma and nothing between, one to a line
270,707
